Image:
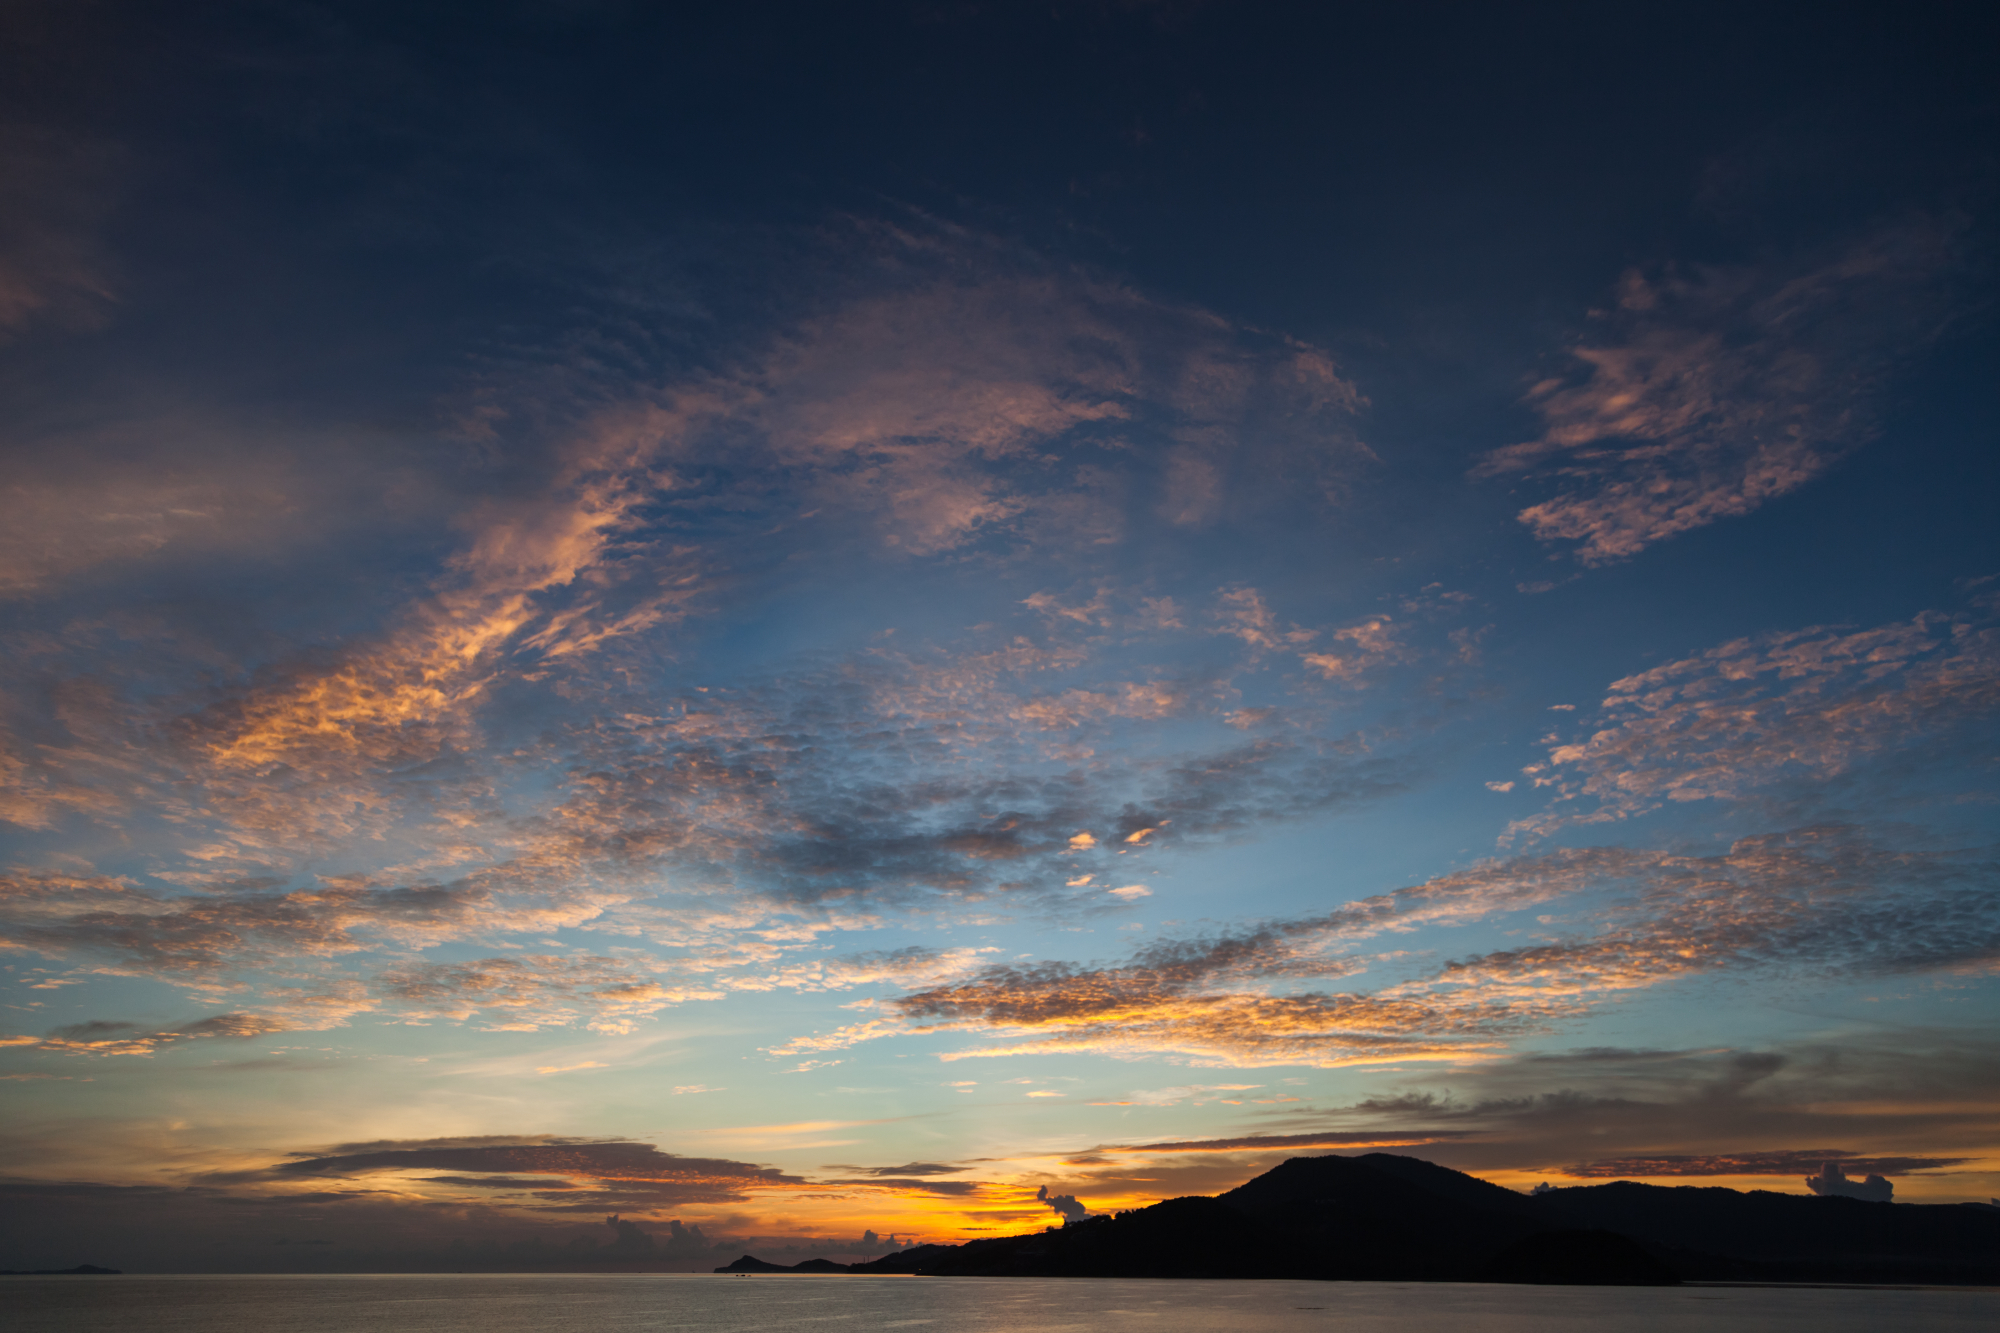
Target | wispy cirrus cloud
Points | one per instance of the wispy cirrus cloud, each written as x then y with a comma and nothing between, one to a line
527,991
1830,901
911,967
1826,902
1711,391
963,399
1804,705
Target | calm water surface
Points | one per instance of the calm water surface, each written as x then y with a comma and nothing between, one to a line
482,1303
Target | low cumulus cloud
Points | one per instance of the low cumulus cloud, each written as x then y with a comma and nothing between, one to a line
1707,392
1065,1206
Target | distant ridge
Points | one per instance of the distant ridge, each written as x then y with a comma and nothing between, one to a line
1384,1217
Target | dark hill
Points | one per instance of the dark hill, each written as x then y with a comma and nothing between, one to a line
1445,1183
1192,1237
1578,1259
1708,1232
752,1264
1384,1217
1380,1217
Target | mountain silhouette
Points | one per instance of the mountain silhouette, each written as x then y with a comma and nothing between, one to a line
1383,1217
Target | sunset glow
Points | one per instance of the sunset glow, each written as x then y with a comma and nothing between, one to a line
866,620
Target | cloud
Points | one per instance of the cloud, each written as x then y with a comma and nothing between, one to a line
243,924
1709,391
1201,1094
919,1185
56,192
468,755
538,989
907,1169
586,1175
1243,614
1916,1094
1066,1206
1805,705
110,1037
1780,1162
1288,1142
1185,996
1358,649
911,967
836,789
856,783
631,1169
1169,1003
1831,1181
1823,901
973,395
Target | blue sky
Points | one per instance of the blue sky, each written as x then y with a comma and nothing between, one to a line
825,620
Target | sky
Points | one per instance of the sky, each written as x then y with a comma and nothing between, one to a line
816,626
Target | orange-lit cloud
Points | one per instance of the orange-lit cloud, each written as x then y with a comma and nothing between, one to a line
1710,392
1827,898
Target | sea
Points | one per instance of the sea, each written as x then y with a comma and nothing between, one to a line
593,1303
